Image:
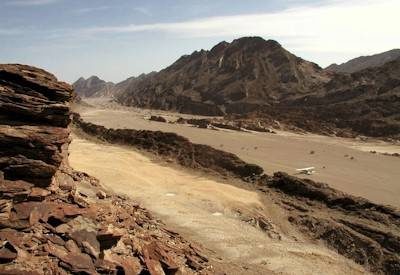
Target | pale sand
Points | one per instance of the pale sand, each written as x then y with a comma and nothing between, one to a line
373,176
206,211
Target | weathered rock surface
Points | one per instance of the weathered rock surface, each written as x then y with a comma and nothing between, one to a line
363,231
51,218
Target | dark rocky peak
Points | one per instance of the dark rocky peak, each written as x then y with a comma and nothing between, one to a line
218,49
254,44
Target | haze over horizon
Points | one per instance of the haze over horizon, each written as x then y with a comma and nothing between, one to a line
127,38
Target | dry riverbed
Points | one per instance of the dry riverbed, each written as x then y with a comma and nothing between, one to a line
344,164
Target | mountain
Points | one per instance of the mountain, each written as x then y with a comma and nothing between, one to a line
364,62
240,76
366,102
93,87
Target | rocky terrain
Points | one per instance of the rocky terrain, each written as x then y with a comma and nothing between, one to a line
54,220
360,230
93,87
232,77
365,62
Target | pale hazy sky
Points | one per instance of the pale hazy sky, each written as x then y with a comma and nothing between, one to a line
120,38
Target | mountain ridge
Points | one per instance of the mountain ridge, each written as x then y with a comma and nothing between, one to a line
364,62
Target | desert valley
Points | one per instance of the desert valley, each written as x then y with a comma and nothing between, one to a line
243,158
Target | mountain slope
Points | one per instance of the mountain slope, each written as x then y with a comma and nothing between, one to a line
364,62
232,77
366,102
93,87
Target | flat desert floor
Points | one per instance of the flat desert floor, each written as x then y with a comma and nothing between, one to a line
344,164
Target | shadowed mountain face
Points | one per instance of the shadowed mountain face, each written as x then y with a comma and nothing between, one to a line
232,77
364,62
93,87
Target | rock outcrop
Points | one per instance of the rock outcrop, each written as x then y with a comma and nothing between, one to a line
363,231
54,220
173,146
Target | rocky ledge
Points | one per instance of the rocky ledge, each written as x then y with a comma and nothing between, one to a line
54,220
173,146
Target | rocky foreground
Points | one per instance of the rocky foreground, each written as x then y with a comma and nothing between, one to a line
356,228
54,220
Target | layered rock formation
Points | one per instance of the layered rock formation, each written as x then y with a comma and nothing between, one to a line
54,220
365,62
93,87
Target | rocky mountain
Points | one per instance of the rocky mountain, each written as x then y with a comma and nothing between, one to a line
231,77
93,87
366,102
364,62
254,75
54,220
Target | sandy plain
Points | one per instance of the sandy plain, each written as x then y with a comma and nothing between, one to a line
344,164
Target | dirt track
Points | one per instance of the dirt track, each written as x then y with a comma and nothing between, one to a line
208,211
342,163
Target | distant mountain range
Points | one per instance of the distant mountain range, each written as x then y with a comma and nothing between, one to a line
365,62
93,87
251,74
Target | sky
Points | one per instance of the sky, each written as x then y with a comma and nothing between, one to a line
117,39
